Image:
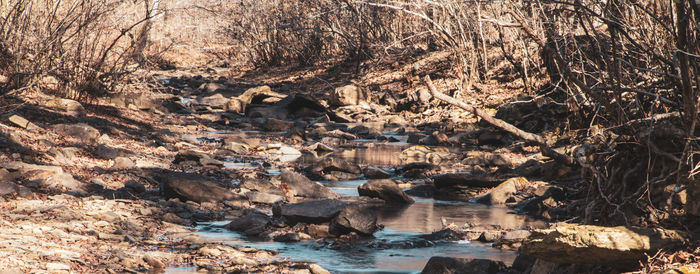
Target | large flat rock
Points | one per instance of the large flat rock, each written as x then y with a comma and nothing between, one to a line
192,187
589,244
314,212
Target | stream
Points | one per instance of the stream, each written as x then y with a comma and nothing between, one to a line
397,248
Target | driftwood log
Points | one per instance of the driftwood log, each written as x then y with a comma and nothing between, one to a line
527,136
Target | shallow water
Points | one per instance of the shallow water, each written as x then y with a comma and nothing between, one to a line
403,224
389,251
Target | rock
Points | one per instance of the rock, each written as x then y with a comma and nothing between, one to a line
304,106
313,212
153,262
336,164
272,124
348,95
81,131
446,234
512,238
263,198
490,236
375,173
123,163
299,185
172,218
192,187
251,223
135,186
22,122
354,218
386,190
260,91
234,105
258,185
317,269
70,107
292,237
287,150
7,188
446,265
190,156
588,244
320,147
209,251
500,194
424,191
49,177
212,87
318,231
464,179
216,100
235,147
108,152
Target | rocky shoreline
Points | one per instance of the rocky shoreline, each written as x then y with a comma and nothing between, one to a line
117,186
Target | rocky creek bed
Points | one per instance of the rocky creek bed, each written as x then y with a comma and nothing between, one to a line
214,177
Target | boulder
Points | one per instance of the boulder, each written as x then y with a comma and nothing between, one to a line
588,244
348,95
251,223
313,212
299,185
376,173
216,100
354,218
192,187
81,131
386,190
424,191
336,164
446,265
500,194
70,107
48,177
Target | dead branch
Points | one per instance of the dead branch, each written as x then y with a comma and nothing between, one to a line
527,136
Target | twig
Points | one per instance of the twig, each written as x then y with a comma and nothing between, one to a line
544,147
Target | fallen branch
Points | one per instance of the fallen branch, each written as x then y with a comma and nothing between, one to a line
527,136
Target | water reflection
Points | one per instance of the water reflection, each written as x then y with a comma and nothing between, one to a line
376,155
425,216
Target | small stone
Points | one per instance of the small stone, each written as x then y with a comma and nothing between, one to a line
317,269
123,163
153,262
21,122
209,251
